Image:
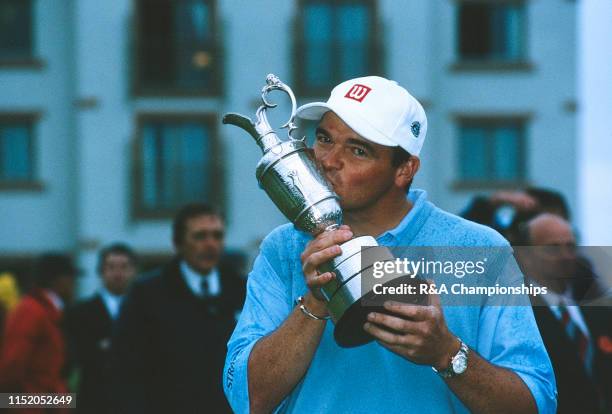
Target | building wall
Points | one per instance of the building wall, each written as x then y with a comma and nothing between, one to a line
89,114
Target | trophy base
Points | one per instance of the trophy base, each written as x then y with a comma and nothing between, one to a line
349,332
347,306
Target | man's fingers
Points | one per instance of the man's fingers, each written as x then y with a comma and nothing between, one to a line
393,322
327,239
406,310
434,298
319,280
318,258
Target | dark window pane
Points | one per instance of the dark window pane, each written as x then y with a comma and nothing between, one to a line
336,42
491,31
473,153
15,29
506,153
15,152
491,152
176,164
176,44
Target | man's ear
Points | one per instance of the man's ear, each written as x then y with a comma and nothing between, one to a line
406,171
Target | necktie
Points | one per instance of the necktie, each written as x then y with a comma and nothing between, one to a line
580,340
204,289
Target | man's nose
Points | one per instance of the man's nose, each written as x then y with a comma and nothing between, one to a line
331,159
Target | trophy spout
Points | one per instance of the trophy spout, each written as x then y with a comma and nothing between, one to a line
241,121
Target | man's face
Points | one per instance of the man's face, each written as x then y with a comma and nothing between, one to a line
202,244
554,249
118,270
360,171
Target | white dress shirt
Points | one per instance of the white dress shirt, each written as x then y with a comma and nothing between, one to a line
112,302
194,280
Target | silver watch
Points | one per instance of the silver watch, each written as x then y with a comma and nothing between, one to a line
458,363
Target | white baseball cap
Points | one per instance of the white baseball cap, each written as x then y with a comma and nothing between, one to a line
376,108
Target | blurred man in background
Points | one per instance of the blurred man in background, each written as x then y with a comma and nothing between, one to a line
33,353
89,327
576,337
175,322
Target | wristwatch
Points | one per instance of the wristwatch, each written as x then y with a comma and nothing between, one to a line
458,363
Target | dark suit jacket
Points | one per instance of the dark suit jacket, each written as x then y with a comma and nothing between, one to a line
89,328
577,391
170,345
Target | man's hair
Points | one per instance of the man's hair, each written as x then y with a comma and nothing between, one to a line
550,200
118,249
187,212
51,266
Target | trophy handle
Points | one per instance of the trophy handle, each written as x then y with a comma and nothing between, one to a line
274,83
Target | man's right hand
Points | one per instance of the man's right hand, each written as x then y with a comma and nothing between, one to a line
320,250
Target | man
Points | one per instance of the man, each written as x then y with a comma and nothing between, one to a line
89,326
33,353
574,336
174,324
284,356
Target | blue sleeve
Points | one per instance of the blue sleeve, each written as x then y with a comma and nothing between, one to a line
267,305
509,337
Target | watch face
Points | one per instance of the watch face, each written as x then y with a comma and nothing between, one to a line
459,363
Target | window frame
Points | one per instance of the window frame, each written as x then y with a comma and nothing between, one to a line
491,121
208,120
521,64
33,183
375,47
140,89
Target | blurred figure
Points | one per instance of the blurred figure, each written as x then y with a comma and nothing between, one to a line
9,297
577,338
33,352
502,208
175,322
89,327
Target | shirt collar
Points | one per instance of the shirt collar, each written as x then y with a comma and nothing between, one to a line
194,279
111,301
411,224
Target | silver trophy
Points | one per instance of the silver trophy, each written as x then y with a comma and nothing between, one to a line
289,175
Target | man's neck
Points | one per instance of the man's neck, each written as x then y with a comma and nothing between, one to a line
375,220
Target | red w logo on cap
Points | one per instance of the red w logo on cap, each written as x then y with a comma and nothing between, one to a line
358,92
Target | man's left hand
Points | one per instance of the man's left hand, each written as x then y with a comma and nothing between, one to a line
415,332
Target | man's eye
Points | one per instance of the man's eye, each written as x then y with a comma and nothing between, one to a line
360,152
323,139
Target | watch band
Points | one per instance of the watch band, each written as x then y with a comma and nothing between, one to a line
300,302
460,359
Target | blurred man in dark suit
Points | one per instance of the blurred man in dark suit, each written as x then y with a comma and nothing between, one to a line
173,327
89,327
33,353
575,336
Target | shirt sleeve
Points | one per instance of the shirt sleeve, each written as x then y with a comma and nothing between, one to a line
509,337
267,305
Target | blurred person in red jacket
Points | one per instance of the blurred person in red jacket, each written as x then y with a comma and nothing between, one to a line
33,353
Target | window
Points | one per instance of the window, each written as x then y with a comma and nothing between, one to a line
15,30
492,151
491,31
175,163
336,41
16,150
177,48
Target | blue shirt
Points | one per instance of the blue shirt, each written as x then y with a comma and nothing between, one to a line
370,378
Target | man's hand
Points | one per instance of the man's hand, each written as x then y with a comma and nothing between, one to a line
418,333
320,250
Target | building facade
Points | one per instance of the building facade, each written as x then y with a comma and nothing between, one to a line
110,111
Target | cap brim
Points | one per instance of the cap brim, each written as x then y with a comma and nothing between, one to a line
315,111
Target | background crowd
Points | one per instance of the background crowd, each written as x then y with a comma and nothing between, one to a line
156,342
